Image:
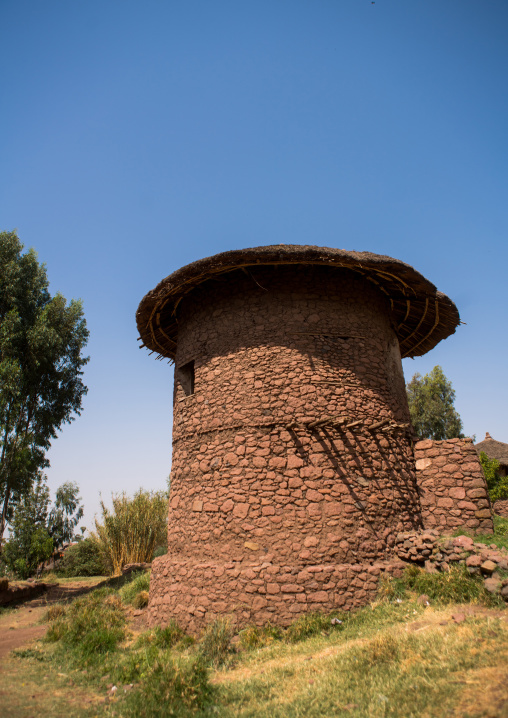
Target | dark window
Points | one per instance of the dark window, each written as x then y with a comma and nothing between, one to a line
185,377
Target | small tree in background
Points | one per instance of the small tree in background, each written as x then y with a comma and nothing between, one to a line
131,531
29,543
496,484
83,559
65,514
431,405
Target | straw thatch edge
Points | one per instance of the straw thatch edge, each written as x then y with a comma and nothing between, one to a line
423,316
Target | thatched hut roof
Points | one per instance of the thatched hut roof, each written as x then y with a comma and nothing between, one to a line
422,315
494,449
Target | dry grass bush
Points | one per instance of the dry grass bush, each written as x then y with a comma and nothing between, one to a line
141,599
259,636
133,529
54,612
215,643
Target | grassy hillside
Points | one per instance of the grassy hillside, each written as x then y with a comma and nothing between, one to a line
397,657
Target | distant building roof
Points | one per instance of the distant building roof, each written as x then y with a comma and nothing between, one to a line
494,449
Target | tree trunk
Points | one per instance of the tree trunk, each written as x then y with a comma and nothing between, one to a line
3,517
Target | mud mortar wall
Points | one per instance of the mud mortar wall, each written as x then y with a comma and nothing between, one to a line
275,349
254,593
453,491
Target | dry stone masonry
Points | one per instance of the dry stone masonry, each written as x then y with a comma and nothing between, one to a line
437,553
452,487
293,461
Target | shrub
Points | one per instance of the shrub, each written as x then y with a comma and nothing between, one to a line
496,484
83,559
215,644
500,525
131,531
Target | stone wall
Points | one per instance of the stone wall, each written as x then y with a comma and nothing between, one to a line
254,476
254,593
293,467
501,508
452,487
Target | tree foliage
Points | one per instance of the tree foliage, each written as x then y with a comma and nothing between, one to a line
29,543
65,513
41,387
83,559
496,484
431,405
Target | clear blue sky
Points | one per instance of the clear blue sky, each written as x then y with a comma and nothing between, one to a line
139,136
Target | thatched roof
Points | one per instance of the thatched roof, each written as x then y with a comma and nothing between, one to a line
494,449
422,315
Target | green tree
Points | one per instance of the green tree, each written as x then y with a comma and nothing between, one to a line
65,513
29,543
83,559
431,405
41,387
496,484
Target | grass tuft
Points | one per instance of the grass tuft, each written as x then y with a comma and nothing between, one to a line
141,599
311,624
214,647
54,612
93,624
133,587
454,586
257,637
170,688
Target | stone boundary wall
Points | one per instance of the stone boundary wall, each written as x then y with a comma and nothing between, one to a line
453,491
254,593
20,592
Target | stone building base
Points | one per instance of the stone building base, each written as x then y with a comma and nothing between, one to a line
194,594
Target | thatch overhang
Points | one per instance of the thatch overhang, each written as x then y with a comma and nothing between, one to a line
422,315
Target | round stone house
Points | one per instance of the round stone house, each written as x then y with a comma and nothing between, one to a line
293,467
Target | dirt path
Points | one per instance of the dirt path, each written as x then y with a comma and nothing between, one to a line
22,624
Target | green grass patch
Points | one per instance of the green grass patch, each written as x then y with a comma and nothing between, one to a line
91,625
394,657
164,638
258,636
171,687
138,583
214,647
456,585
391,673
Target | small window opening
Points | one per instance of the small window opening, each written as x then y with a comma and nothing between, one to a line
185,377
